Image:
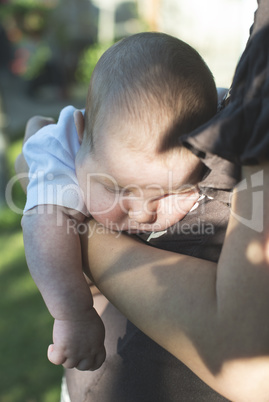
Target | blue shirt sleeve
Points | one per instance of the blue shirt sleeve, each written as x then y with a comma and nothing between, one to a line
50,155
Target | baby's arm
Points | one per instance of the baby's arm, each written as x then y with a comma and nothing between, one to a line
53,252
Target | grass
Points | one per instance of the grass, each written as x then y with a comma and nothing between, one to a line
25,324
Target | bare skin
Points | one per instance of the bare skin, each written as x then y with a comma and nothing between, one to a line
58,274
211,316
154,200
215,317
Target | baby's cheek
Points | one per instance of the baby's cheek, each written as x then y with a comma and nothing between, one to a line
109,216
177,204
174,208
98,205
185,204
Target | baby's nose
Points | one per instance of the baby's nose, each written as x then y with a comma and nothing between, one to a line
143,212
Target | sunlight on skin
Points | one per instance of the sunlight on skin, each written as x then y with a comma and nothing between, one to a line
255,253
267,252
258,376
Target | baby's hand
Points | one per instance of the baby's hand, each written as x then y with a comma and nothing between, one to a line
79,343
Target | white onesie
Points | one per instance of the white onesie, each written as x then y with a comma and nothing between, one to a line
50,155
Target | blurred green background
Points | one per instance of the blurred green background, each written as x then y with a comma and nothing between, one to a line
25,325
48,49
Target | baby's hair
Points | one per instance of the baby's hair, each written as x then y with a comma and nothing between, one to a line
155,80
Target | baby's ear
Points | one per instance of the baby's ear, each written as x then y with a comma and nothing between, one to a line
80,124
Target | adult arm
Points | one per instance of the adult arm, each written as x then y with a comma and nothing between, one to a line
212,317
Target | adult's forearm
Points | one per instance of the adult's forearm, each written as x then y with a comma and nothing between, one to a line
212,317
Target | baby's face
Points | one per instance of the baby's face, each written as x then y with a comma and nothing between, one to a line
126,191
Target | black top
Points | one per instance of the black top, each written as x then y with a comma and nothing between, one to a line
240,132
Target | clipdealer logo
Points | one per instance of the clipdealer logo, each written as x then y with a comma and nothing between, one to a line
255,185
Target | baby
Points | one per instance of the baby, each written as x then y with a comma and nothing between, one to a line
119,161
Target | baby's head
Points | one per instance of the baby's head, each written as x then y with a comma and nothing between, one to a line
145,92
155,81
